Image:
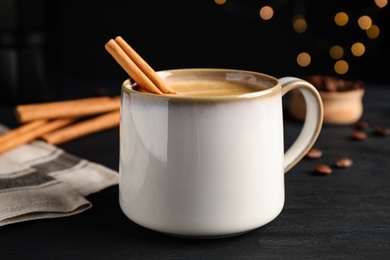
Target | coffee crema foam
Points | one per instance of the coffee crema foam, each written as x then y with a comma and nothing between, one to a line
212,87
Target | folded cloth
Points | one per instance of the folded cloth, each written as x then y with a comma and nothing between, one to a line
39,180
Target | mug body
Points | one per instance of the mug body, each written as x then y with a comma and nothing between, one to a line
202,167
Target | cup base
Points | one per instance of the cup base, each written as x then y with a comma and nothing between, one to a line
205,237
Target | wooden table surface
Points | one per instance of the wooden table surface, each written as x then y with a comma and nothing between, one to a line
345,215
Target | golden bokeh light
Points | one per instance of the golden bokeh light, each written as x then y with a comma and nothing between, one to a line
358,49
381,3
373,32
340,52
341,18
336,52
299,24
341,67
220,2
266,12
364,22
303,59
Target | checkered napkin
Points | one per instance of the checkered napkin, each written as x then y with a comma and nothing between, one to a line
39,180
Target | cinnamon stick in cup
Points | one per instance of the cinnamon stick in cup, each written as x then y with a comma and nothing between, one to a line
131,68
136,67
143,66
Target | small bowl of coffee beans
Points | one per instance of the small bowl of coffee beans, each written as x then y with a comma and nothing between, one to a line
342,99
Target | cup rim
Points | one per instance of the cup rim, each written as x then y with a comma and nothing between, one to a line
129,84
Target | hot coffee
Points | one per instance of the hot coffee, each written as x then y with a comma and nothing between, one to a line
212,87
193,83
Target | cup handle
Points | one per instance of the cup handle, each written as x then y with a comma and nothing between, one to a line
312,124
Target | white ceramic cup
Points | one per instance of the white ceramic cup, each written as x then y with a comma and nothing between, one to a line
211,166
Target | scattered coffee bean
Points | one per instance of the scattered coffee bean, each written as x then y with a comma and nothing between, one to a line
361,125
359,135
314,153
323,169
381,131
343,162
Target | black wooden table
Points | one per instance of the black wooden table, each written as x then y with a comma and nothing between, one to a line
344,215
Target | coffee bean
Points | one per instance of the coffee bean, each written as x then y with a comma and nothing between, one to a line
361,125
358,135
343,162
314,153
323,169
381,131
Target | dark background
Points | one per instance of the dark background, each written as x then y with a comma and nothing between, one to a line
175,34
180,34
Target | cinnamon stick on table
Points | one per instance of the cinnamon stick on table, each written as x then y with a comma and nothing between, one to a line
83,128
21,130
43,118
35,130
69,108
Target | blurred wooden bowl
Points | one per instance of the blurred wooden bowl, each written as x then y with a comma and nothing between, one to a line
340,108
